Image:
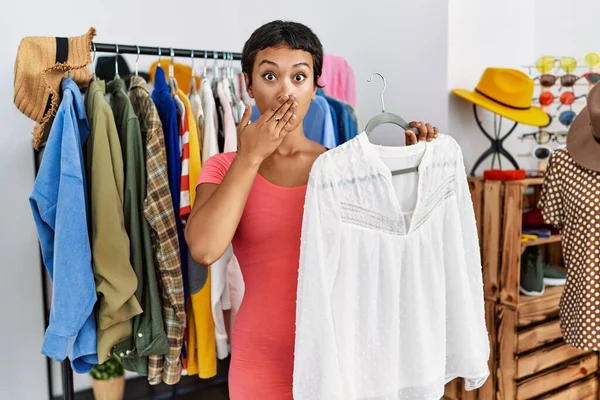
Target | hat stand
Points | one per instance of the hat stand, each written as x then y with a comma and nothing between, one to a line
496,148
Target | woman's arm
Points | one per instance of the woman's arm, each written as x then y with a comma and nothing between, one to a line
218,208
217,211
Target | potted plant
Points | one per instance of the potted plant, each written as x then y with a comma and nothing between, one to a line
108,380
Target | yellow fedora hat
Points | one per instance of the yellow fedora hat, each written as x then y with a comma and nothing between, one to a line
506,92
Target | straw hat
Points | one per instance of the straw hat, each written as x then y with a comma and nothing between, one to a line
583,139
40,66
506,92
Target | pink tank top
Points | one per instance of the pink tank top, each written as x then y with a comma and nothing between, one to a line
267,246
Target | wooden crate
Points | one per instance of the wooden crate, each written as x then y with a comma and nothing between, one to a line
533,361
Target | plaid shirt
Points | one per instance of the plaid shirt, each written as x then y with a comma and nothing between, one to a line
158,210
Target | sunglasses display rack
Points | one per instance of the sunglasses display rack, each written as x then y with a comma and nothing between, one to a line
563,84
140,388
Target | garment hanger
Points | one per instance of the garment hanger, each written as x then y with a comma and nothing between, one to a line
193,83
117,62
172,81
389,118
94,62
137,60
386,117
205,68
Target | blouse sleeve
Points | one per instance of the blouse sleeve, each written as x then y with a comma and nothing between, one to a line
551,202
317,373
215,168
467,336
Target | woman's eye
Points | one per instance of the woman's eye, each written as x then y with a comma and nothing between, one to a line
299,78
269,76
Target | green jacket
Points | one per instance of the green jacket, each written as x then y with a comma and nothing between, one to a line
149,337
116,282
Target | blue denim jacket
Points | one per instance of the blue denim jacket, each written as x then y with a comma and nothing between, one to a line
59,206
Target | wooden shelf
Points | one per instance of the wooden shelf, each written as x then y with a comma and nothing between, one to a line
540,242
534,309
527,182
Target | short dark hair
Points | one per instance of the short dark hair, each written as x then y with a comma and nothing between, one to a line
283,33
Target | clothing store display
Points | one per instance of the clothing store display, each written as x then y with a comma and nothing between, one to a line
59,205
195,164
382,314
148,336
181,72
267,246
346,129
570,200
583,139
158,210
532,273
202,352
202,359
210,144
220,299
167,111
116,282
506,92
39,69
337,79
198,113
185,206
228,127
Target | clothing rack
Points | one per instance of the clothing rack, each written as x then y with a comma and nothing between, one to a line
66,370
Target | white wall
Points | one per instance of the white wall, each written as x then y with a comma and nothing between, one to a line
406,42
486,34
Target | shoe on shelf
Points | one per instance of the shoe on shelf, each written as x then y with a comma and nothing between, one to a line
532,273
554,275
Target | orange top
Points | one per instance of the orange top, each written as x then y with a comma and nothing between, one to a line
267,246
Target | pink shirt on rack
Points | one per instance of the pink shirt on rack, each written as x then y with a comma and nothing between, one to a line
338,79
267,247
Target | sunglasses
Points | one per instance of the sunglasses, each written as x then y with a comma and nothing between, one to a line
566,118
540,153
592,59
568,80
544,137
566,99
546,63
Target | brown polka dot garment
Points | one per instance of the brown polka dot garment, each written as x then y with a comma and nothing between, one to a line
571,201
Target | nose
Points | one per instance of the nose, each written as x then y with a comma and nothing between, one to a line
286,88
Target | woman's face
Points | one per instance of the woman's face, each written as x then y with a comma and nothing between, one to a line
282,71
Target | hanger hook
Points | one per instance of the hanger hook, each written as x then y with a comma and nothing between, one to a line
382,90
215,67
159,55
192,56
137,60
204,69
94,61
172,64
117,62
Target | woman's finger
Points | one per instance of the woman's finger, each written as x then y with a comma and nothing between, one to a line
411,138
246,117
430,132
436,132
281,100
422,131
286,118
279,114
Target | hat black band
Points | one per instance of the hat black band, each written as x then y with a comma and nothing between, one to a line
62,49
501,103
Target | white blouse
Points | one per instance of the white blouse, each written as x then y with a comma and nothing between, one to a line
390,291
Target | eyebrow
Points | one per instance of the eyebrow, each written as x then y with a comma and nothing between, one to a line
300,64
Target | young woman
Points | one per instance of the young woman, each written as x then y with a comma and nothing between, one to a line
254,199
